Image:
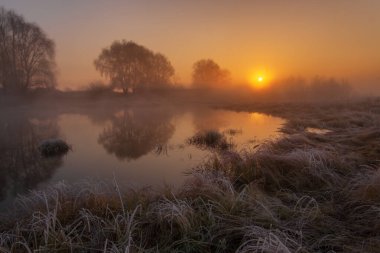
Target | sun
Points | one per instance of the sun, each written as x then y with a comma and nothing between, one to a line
258,80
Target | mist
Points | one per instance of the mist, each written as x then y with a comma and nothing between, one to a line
146,126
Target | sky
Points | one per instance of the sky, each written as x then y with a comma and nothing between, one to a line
338,38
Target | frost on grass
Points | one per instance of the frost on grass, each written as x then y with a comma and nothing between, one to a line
305,192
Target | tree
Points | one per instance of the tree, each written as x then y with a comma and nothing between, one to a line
129,66
26,54
207,74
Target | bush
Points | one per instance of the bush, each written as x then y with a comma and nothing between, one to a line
53,147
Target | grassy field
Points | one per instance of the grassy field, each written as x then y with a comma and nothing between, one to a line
315,189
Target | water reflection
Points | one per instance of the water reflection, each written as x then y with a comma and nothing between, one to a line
205,120
243,129
134,133
143,145
21,165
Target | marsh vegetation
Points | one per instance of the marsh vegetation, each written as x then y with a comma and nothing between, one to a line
302,192
211,139
282,165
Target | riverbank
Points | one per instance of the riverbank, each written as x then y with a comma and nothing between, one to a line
316,189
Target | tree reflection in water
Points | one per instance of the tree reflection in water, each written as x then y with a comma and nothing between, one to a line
21,166
136,132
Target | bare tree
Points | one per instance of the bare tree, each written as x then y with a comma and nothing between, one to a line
207,74
129,66
26,54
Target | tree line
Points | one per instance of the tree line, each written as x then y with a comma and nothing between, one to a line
27,61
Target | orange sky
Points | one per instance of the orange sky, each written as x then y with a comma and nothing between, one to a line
338,38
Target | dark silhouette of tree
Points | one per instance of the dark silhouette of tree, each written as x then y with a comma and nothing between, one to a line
26,54
130,66
208,74
161,71
136,133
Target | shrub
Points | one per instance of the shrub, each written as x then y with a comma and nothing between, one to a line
53,147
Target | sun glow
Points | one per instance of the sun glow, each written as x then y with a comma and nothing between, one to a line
259,80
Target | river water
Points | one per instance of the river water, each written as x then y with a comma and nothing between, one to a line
137,146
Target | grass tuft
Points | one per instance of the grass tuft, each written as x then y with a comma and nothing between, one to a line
210,139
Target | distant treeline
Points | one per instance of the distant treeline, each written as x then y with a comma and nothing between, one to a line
315,89
27,64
